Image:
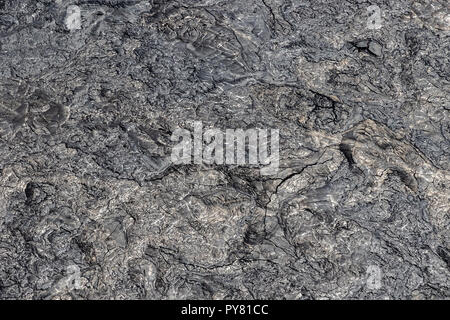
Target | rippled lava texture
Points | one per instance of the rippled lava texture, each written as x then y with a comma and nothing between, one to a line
92,208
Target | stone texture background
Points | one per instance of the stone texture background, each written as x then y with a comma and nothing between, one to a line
90,207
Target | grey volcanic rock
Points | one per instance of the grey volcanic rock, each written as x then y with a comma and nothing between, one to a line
91,206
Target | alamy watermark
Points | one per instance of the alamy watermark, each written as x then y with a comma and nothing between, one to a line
73,18
374,17
258,147
373,281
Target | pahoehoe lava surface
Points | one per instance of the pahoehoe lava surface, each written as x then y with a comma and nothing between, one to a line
91,207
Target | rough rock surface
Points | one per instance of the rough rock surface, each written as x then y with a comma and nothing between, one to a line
91,207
